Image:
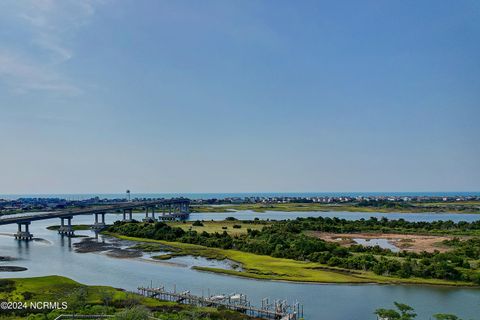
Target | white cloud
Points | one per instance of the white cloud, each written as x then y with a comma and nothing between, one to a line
54,46
47,25
23,76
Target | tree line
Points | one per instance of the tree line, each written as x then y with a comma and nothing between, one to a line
287,239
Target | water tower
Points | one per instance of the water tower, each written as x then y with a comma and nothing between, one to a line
128,195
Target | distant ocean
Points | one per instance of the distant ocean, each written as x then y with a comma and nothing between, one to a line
237,195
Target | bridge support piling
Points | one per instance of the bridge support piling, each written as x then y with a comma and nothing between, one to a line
99,225
23,235
129,211
147,218
66,229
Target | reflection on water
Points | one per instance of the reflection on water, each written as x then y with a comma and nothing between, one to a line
65,241
326,300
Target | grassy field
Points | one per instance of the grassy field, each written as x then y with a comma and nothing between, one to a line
259,207
56,288
457,203
220,226
60,289
266,267
470,207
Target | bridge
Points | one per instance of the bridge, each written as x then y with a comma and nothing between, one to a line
171,209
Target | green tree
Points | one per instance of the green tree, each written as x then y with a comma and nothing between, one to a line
107,297
444,316
406,311
131,300
387,314
133,313
78,300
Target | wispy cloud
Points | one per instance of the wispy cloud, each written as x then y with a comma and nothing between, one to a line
23,76
33,61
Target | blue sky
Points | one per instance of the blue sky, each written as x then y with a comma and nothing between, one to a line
239,96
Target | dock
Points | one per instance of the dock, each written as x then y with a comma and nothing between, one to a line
277,309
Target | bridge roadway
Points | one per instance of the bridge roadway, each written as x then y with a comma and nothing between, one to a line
171,209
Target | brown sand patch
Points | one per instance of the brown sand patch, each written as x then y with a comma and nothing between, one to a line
407,242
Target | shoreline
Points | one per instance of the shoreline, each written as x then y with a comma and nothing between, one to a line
97,299
389,207
299,268
372,283
295,208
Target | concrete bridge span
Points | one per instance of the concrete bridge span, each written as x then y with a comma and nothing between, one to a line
170,209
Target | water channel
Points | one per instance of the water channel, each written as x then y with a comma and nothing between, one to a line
56,255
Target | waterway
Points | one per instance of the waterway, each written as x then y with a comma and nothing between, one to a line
282,215
56,255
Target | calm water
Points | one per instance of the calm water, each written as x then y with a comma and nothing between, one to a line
382,243
332,302
280,215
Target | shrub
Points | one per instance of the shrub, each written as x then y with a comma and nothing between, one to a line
7,285
134,313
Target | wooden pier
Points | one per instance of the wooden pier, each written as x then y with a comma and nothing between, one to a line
278,309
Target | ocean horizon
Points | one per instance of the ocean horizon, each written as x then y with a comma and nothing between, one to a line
213,195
